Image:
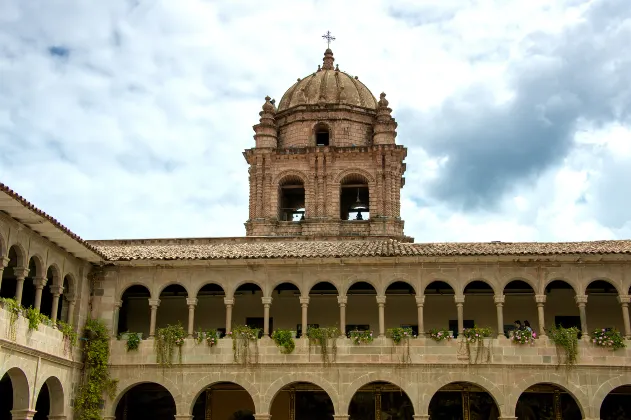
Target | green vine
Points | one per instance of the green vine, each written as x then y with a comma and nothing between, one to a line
242,336
284,339
35,317
321,337
609,338
566,339
166,340
399,335
96,376
14,310
361,337
209,335
133,341
476,336
70,336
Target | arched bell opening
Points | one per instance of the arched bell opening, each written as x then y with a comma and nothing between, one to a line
354,198
463,400
381,400
291,199
223,400
547,401
146,401
322,135
302,400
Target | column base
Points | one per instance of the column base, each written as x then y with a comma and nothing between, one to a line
585,337
420,417
341,417
507,418
262,417
183,417
22,414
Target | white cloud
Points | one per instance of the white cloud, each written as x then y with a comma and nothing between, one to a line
138,132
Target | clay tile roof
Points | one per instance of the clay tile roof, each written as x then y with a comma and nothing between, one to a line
274,248
65,238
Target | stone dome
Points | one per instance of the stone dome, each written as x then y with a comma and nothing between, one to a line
328,85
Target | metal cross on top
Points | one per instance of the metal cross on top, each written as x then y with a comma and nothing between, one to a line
328,38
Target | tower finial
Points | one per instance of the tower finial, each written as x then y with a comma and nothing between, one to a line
328,38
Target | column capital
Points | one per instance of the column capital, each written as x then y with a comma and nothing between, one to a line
20,273
304,300
4,261
381,300
154,303
420,300
342,300
118,304
56,290
266,300
459,299
191,301
624,299
499,299
228,301
40,282
580,299
540,299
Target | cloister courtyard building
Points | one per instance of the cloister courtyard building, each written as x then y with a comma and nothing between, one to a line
324,251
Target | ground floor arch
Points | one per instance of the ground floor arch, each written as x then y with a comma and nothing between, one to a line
617,404
545,401
463,400
224,400
382,397
146,400
302,400
14,389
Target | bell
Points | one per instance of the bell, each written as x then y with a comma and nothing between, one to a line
359,206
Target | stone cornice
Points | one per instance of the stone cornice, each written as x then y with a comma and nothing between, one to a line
11,346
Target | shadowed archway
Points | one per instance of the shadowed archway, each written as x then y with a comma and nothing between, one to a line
463,400
146,401
547,401
307,401
224,400
381,397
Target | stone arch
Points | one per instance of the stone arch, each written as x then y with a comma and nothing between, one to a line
145,378
56,273
584,287
280,383
214,378
545,378
402,279
450,282
21,388
570,282
278,282
3,246
354,171
56,394
72,284
290,173
526,279
601,393
472,378
39,266
201,286
20,254
481,280
343,290
240,283
309,286
409,388
123,289
161,287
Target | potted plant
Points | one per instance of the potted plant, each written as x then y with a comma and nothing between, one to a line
440,334
361,337
609,338
284,339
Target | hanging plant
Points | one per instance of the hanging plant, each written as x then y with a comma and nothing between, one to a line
167,339
609,338
14,309
96,376
524,336
69,334
35,317
475,336
361,337
440,335
284,340
566,339
209,335
242,336
322,337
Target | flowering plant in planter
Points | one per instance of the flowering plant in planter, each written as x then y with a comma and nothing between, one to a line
476,334
524,336
398,334
439,335
608,337
166,340
360,337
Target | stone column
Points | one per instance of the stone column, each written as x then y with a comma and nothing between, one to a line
499,305
117,311
624,304
153,304
20,274
191,302
267,302
71,305
40,282
304,304
262,417
420,416
183,417
340,417
57,292
541,301
22,414
229,302
507,418
342,300
3,263
420,301
460,306
381,302
581,301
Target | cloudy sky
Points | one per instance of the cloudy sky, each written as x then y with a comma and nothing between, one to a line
127,118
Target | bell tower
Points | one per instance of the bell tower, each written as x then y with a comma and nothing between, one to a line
325,163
